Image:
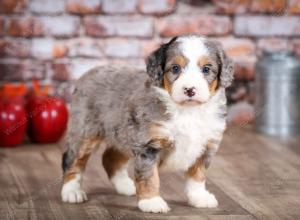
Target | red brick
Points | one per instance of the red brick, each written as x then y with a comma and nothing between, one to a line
244,67
2,26
294,6
231,6
69,70
237,47
105,26
61,71
14,48
122,48
11,71
47,6
203,24
72,70
34,70
156,7
84,6
58,26
119,6
24,27
12,6
85,47
47,49
273,44
17,70
267,26
241,113
274,6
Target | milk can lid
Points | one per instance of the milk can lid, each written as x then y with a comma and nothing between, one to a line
278,64
278,54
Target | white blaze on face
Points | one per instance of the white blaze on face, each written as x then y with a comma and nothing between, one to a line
193,48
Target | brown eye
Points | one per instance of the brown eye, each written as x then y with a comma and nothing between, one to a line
206,69
176,69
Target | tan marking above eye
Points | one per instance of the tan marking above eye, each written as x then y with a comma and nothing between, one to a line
179,60
202,61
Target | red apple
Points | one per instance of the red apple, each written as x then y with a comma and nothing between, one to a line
13,124
48,119
13,117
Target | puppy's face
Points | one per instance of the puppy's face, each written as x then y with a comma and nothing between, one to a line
190,68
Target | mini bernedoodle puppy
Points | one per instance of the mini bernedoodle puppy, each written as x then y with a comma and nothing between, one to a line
170,117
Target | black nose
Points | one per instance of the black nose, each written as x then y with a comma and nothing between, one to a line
190,92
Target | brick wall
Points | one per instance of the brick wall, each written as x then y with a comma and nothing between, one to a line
58,40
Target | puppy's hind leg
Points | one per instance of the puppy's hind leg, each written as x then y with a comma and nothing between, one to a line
115,164
73,163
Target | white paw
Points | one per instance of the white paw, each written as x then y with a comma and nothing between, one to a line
123,183
124,186
72,192
155,205
203,200
74,196
198,196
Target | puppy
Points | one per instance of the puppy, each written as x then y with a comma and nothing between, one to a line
170,117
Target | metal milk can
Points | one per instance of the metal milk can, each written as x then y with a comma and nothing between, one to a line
277,103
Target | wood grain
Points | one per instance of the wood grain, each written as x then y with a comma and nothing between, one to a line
253,177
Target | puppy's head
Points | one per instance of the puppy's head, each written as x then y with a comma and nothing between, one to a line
191,68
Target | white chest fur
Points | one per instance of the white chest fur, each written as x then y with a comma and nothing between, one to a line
191,128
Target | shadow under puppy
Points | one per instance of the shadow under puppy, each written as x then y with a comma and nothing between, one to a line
171,117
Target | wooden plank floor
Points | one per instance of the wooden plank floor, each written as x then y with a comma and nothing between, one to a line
253,177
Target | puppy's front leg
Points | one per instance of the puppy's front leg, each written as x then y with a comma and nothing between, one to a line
147,181
196,191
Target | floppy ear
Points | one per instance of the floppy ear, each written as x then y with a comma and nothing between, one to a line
226,69
156,63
